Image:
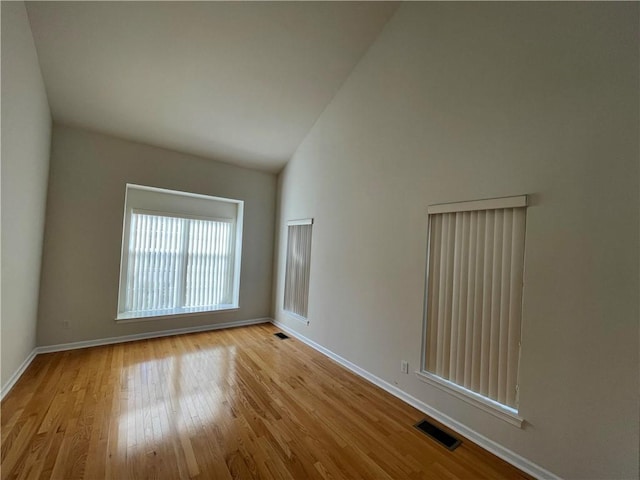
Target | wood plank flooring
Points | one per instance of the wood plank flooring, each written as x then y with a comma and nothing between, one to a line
236,403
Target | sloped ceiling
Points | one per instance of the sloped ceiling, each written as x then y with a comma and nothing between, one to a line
240,82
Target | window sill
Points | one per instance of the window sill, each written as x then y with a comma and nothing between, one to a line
148,315
295,316
496,409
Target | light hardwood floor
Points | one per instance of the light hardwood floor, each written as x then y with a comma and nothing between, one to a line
236,403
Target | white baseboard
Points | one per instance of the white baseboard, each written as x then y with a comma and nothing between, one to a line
489,445
125,338
6,388
145,336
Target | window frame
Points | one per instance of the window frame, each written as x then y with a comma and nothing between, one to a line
140,316
296,316
471,397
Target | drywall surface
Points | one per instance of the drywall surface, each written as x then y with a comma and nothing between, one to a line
463,101
236,81
81,257
26,137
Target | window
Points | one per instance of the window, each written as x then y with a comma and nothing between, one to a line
296,283
180,253
474,301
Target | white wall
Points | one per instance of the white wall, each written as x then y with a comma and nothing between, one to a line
81,257
26,134
461,101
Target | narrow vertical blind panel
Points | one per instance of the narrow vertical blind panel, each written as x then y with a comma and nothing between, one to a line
296,287
209,263
178,262
474,297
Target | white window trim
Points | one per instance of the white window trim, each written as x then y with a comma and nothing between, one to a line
304,221
487,204
130,317
149,315
297,317
494,408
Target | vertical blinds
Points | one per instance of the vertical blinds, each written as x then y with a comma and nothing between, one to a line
178,262
474,297
296,286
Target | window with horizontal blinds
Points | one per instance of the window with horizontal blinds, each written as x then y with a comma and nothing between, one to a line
178,261
296,287
474,296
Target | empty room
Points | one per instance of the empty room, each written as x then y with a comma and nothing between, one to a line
320,240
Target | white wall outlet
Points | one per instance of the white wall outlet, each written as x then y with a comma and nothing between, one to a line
404,366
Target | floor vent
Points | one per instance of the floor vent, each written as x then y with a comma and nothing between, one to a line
437,434
281,335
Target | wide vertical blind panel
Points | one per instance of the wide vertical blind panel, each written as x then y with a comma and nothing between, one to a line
474,297
178,262
155,262
296,288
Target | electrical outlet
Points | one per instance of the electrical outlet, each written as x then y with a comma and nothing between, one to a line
66,324
404,366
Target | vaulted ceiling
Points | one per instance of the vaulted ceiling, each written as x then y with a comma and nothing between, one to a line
241,82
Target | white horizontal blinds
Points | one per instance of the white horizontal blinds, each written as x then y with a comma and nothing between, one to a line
178,262
155,262
296,289
209,264
474,297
